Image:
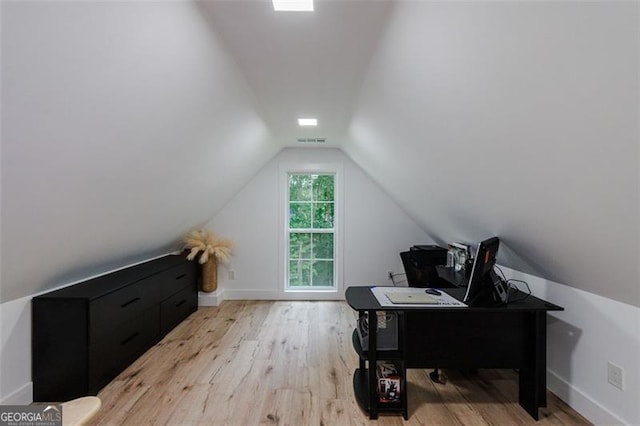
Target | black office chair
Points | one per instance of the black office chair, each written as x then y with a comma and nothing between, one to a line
420,270
420,273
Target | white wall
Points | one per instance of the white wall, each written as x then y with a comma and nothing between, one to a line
376,230
15,352
591,331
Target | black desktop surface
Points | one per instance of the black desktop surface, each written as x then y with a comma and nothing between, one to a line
455,284
362,299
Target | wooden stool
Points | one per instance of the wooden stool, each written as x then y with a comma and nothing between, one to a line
79,411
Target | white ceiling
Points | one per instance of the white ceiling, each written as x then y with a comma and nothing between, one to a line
302,64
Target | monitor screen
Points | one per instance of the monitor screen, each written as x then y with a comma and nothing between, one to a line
480,280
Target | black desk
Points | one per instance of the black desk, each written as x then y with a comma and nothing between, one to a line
511,336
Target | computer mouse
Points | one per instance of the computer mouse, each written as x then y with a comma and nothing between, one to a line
433,291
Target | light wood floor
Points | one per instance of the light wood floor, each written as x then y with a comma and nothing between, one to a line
291,363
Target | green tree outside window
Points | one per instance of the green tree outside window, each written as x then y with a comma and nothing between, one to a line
311,206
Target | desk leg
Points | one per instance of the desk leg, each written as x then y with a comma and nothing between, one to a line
373,345
362,363
533,375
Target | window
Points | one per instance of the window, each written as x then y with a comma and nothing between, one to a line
311,231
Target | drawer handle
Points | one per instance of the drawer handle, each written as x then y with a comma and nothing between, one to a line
130,338
182,302
179,277
124,305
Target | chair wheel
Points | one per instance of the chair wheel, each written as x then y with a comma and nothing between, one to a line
437,378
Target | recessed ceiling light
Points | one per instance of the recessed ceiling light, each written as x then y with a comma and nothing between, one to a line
293,5
307,122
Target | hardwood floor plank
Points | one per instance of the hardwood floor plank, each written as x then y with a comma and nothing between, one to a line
117,401
425,404
291,363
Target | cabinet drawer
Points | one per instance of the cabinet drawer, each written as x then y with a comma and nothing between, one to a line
121,346
172,280
121,306
176,308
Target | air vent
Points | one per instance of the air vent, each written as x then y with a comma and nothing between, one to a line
312,140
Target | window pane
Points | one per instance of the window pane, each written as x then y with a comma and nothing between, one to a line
299,215
300,187
323,273
323,246
311,206
323,188
299,246
299,273
323,215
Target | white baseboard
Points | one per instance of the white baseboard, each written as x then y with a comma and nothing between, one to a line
251,295
580,402
281,295
21,396
210,299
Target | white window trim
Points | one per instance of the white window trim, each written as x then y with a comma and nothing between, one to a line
285,170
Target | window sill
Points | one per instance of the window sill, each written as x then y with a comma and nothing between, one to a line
311,290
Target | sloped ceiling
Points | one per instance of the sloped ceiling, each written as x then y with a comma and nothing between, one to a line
516,119
302,64
125,124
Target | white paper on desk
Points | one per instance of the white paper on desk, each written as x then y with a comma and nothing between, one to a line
444,300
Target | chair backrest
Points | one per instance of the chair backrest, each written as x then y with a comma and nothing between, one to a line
419,274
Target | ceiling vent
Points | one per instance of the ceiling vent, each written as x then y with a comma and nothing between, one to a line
312,140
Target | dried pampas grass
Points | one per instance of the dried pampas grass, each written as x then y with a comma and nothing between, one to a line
203,240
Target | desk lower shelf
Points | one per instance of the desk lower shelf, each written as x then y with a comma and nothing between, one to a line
381,353
361,391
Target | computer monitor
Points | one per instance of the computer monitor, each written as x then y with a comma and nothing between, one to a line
484,284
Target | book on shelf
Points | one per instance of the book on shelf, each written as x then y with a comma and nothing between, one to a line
388,382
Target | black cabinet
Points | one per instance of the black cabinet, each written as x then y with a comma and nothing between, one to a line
84,335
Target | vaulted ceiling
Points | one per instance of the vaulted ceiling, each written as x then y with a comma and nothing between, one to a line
301,64
479,118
